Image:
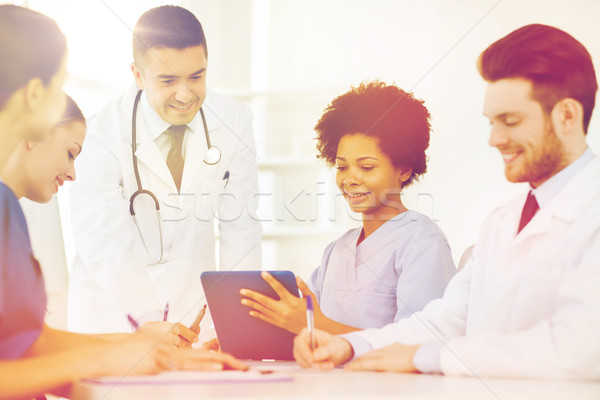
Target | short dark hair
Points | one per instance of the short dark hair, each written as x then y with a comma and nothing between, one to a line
557,65
398,120
72,113
166,27
31,46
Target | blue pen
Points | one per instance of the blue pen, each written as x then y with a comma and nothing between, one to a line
226,178
133,322
310,322
166,313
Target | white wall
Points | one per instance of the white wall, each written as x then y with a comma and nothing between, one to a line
308,51
429,47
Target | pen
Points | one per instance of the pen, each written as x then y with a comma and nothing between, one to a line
310,322
166,313
133,322
196,325
226,178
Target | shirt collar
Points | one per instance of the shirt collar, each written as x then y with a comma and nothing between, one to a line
548,190
155,125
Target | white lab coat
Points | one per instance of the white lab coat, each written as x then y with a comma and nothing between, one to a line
523,306
111,276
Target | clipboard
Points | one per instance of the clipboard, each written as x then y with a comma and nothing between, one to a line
243,336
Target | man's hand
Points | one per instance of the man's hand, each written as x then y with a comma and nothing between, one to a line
395,358
330,350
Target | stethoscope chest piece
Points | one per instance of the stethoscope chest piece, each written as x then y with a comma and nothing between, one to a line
213,155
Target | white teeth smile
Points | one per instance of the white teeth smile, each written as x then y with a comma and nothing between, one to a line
508,156
355,194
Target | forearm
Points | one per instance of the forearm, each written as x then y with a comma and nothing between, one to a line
70,340
54,340
54,373
333,327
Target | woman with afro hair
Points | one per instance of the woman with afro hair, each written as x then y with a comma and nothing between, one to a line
375,135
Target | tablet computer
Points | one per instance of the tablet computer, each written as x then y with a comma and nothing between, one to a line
239,334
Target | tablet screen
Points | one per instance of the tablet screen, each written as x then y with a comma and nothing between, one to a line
239,334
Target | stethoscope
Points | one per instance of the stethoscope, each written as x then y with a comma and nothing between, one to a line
212,157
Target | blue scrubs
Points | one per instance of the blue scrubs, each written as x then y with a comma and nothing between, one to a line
391,274
22,292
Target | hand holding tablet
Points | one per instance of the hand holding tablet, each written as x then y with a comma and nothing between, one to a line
239,333
286,311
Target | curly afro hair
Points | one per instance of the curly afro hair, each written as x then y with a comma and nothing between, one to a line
398,120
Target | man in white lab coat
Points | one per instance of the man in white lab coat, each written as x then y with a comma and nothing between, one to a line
194,150
527,304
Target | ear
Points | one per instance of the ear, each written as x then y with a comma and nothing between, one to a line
33,92
567,116
137,75
30,144
403,174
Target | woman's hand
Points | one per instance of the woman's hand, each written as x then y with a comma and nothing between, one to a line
289,312
212,344
204,360
177,335
140,354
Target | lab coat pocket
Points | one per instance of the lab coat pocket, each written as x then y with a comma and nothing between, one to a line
207,199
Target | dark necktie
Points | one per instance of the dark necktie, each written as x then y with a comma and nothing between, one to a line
175,156
529,209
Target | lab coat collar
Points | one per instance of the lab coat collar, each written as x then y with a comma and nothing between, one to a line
549,189
567,205
195,150
196,144
576,195
148,153
156,126
211,112
153,124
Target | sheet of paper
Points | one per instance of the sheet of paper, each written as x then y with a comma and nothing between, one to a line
191,377
278,366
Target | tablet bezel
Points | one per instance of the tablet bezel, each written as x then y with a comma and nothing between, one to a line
239,334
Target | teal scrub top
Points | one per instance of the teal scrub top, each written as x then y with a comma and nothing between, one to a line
22,292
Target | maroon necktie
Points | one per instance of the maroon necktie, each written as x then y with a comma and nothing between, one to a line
529,209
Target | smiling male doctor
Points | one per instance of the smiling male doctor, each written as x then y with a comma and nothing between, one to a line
125,266
526,303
